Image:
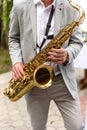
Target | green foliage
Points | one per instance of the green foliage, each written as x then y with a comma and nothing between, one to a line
5,62
6,8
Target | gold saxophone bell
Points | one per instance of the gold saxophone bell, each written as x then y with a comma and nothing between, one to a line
43,76
36,72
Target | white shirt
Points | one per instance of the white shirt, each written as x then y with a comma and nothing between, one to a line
42,19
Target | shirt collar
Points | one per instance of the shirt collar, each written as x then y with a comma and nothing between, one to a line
37,1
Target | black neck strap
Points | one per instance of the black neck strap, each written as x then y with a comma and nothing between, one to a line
47,28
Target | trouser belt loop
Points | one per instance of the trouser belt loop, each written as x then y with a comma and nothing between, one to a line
57,77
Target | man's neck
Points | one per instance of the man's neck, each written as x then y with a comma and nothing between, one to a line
47,2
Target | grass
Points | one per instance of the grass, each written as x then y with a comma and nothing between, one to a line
5,62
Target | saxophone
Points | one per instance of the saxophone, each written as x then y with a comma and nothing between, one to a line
36,72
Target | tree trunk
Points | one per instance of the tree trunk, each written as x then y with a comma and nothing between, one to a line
4,38
0,22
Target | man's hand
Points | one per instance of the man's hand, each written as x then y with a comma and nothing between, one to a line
17,71
58,56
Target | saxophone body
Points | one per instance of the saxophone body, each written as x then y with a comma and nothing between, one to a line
37,73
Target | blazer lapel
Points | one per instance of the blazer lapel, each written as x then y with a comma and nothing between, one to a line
58,16
32,10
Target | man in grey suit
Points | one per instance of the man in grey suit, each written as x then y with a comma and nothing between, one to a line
28,29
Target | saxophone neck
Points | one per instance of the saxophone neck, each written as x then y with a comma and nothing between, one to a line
80,10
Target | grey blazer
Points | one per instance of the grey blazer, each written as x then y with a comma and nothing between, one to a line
22,36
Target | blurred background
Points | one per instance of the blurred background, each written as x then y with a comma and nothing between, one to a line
5,7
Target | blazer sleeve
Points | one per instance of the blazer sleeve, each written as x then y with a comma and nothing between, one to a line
14,38
75,42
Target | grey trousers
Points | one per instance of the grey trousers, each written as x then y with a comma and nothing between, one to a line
38,102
